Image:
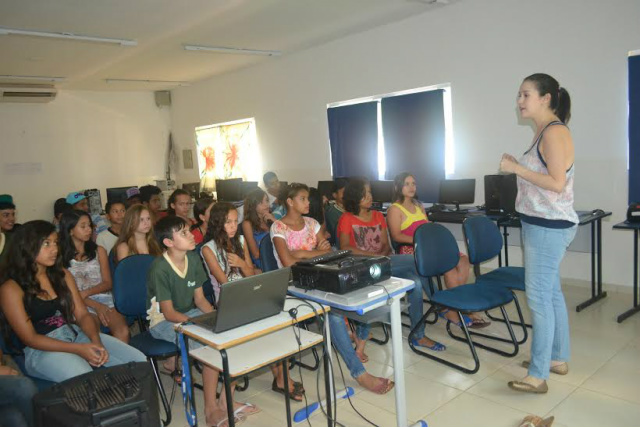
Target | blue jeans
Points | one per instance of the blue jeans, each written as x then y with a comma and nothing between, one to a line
402,266
60,366
544,249
16,408
344,346
165,330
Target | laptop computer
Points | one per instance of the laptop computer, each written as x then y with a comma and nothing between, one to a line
247,300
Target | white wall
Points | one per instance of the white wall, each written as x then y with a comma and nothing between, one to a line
83,140
484,49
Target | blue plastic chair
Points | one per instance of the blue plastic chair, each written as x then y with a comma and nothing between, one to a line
130,298
436,252
484,243
267,258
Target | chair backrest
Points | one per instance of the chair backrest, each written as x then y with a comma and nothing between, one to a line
483,239
112,260
435,250
267,259
130,285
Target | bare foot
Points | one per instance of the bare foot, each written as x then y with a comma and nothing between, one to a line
375,384
360,344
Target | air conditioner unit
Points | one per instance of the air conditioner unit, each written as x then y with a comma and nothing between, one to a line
27,92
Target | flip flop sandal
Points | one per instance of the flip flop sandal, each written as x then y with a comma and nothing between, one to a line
294,395
298,387
535,421
246,409
479,323
528,388
176,374
237,420
466,319
435,347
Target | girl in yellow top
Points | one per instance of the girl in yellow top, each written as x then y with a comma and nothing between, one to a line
403,218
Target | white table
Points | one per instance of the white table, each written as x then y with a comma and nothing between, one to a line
363,303
247,348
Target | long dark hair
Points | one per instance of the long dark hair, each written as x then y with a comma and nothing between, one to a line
316,207
251,203
215,230
560,101
21,267
68,251
398,185
353,194
200,208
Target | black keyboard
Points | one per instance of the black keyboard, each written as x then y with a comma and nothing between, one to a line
322,259
452,216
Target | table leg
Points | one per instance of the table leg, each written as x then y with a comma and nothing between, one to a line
193,391
285,381
636,307
328,380
596,266
506,246
227,387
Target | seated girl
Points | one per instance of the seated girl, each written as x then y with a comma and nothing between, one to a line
226,258
364,231
257,220
316,211
404,217
41,303
136,236
201,211
298,237
88,264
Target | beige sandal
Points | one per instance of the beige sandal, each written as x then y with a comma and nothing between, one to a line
562,369
535,421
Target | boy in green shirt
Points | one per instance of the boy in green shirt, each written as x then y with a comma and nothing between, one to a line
174,295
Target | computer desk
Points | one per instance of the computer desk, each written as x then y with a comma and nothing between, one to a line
240,351
586,218
371,304
636,232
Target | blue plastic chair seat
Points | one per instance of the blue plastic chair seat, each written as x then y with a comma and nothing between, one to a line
152,347
508,277
472,298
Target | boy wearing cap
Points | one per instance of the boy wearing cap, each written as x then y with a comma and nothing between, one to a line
133,197
79,201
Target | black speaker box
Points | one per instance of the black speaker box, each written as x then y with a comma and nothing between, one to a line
120,396
500,192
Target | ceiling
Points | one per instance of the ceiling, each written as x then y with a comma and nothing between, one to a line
162,27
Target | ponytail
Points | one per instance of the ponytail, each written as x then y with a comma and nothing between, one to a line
560,101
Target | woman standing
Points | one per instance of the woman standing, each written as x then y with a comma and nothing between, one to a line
549,222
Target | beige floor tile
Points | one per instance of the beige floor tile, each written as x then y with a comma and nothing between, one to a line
586,408
619,377
495,388
470,410
423,396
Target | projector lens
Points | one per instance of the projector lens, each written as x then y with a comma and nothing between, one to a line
375,271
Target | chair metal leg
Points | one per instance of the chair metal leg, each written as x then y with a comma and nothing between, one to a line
513,340
385,340
521,322
431,356
163,395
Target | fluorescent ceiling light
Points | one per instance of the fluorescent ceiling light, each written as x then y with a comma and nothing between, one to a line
173,82
234,50
34,78
66,35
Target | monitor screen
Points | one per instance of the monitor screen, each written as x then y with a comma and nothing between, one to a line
118,194
457,191
382,191
247,187
325,188
229,190
192,188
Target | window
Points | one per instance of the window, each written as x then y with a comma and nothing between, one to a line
227,150
381,136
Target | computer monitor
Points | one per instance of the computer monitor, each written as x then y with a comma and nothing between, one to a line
118,194
229,190
247,187
192,188
382,191
457,192
325,188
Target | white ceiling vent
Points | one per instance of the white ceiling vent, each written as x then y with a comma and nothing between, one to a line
27,93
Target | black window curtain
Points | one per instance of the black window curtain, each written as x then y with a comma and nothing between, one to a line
634,128
414,139
353,136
